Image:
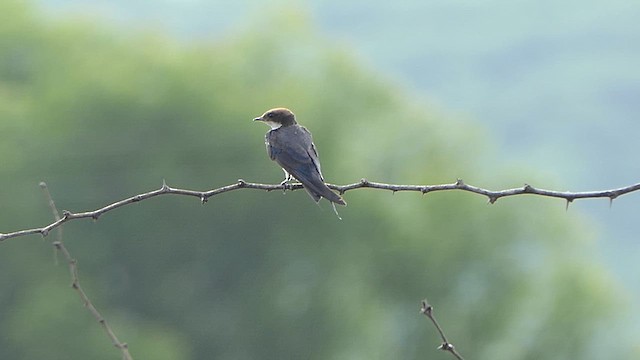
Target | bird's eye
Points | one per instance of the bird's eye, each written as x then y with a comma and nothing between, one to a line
270,115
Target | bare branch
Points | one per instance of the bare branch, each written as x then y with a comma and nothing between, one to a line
75,280
493,196
204,196
427,310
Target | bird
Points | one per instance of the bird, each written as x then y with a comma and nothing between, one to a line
291,146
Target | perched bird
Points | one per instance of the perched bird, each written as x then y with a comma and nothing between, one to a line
291,146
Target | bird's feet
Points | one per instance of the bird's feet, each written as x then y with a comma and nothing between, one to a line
286,185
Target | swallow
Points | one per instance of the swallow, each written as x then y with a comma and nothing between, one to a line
291,146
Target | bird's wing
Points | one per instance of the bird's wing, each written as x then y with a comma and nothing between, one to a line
294,151
313,153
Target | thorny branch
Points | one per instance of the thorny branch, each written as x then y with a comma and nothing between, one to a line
492,196
427,310
75,280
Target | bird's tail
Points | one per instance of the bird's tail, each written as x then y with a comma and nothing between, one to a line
333,197
316,192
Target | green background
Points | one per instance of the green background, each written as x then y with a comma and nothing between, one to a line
102,112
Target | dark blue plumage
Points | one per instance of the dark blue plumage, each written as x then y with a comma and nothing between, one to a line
291,146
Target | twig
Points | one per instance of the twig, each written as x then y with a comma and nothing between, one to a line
75,280
427,310
492,196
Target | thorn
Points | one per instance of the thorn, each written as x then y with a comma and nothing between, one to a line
203,199
611,198
66,214
425,308
527,188
43,184
44,232
459,182
445,346
95,217
569,201
492,200
164,187
364,182
424,190
241,183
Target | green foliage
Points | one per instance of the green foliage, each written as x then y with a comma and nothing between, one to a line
101,116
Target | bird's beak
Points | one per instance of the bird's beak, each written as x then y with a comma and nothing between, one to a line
258,119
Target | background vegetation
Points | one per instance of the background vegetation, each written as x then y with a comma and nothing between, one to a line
101,115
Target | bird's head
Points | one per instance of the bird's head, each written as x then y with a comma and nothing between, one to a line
277,118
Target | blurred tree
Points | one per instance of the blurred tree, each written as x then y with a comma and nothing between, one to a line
101,115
